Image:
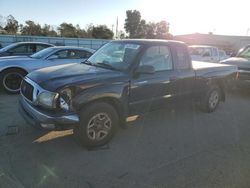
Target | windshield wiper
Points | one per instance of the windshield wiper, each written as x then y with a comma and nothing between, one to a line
87,62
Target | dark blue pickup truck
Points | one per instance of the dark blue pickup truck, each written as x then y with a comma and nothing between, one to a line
122,78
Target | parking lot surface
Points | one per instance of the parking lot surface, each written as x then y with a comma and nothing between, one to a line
180,147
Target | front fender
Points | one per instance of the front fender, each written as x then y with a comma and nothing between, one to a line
117,93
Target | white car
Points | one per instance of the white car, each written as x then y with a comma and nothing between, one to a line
205,53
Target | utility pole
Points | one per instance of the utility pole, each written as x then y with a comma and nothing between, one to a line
116,30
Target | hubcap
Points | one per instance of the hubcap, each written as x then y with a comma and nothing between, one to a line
214,99
12,81
99,126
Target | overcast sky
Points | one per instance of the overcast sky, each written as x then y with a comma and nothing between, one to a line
185,16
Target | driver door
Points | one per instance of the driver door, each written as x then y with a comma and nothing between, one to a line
149,91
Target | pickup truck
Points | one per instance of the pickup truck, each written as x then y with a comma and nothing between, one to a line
123,78
206,53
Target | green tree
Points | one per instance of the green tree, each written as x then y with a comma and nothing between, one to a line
47,30
11,25
81,33
132,23
102,32
67,30
162,30
31,28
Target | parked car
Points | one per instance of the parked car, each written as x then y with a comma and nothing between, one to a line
204,53
23,48
13,69
242,61
123,78
223,55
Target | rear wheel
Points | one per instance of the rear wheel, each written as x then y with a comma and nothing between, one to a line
98,123
11,80
211,99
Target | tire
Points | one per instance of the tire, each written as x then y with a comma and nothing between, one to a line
98,124
212,99
11,80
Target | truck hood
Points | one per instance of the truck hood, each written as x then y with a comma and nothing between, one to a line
53,78
241,63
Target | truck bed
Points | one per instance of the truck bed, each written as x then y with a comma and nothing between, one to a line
204,69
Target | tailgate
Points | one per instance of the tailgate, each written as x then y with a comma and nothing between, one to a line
213,69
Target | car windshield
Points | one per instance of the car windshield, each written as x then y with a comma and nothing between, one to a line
6,48
115,55
244,53
43,53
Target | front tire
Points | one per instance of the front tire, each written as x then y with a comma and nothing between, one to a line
11,80
98,123
211,99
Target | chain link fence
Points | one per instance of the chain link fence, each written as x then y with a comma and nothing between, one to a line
58,41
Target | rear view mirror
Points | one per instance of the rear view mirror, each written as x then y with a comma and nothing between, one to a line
53,57
145,69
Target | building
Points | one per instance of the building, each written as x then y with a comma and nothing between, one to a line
231,44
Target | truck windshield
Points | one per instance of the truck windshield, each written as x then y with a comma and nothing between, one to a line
244,53
115,55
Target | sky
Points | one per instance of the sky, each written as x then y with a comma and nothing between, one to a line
185,16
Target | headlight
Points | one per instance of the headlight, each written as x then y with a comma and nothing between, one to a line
65,100
47,99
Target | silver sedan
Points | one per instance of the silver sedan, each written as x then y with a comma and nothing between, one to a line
13,69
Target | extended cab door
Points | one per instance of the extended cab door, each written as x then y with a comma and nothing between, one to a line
185,75
152,90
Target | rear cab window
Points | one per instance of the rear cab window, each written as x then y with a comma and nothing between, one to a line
182,58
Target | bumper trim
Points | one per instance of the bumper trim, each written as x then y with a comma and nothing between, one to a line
36,117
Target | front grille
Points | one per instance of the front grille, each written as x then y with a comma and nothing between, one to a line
27,90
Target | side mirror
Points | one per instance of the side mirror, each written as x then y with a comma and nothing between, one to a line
52,57
145,69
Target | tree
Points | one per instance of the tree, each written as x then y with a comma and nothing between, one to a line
47,30
162,30
31,28
102,32
67,30
11,25
139,28
81,33
132,22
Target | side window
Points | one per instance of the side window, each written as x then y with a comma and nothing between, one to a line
85,54
20,49
215,52
159,57
183,59
78,54
207,52
31,48
63,54
40,47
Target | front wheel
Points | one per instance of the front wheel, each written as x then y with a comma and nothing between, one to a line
98,123
11,80
211,99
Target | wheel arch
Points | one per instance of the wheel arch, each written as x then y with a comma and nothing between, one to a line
14,68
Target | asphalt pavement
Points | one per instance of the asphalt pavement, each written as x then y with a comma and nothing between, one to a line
180,147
